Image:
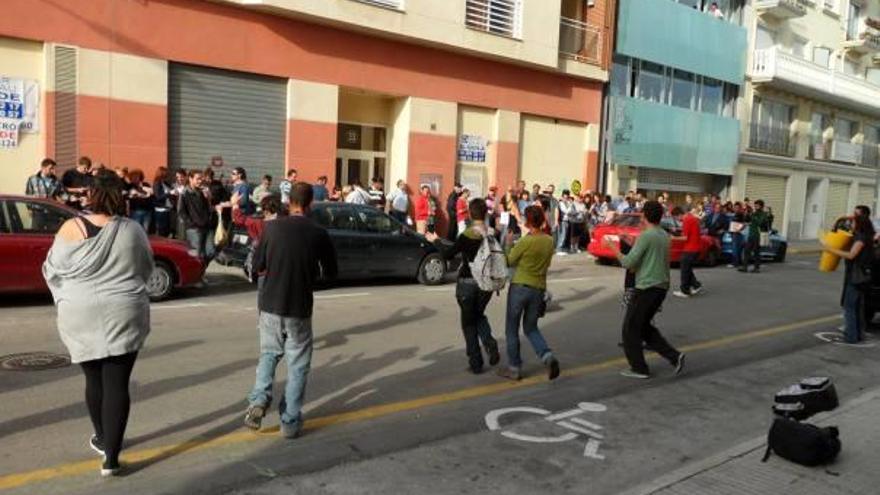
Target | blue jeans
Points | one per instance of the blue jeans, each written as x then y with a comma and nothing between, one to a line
853,313
562,235
737,246
291,338
143,217
523,304
202,240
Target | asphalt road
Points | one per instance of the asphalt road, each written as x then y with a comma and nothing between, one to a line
390,407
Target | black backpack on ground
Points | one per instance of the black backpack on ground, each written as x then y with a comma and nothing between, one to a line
802,443
810,396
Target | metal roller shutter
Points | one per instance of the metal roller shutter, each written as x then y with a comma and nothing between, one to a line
65,107
771,189
837,202
238,116
866,196
565,163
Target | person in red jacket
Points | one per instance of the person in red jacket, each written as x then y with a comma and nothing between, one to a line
461,210
690,253
423,209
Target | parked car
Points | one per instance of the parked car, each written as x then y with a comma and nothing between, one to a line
25,243
369,244
629,224
774,252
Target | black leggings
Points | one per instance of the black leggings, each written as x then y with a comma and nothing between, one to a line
108,401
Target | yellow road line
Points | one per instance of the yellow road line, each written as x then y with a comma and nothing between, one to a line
158,453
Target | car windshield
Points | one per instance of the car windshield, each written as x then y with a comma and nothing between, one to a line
627,221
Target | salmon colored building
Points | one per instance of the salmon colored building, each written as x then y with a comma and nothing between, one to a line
483,92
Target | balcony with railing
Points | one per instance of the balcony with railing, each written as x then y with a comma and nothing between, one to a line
772,140
846,152
871,155
781,9
785,71
580,41
867,41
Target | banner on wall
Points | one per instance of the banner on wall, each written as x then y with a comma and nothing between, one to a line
8,133
471,148
20,101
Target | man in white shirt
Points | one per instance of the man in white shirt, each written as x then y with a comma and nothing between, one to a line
398,203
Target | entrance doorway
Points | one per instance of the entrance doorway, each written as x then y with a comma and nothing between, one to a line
359,167
813,209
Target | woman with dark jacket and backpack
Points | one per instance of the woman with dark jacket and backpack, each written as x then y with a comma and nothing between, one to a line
857,276
471,299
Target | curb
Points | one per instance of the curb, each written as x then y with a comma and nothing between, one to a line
738,451
809,250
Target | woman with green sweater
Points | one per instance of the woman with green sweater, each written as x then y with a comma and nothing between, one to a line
531,257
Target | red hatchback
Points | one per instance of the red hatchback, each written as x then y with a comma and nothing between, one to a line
630,224
24,245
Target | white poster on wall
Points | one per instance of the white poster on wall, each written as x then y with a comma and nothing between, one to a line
8,133
20,101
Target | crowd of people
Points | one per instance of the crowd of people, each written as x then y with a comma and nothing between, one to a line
100,261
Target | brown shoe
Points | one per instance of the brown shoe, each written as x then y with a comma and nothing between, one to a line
510,374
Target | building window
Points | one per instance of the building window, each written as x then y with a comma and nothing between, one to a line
853,22
711,95
871,153
822,56
770,130
845,130
620,76
503,17
684,89
819,144
873,75
652,82
391,4
731,93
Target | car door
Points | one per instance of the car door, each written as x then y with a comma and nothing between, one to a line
32,227
393,249
340,222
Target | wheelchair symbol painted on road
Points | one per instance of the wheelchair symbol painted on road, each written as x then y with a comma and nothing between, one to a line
569,420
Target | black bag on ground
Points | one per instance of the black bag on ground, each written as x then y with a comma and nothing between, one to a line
815,394
802,443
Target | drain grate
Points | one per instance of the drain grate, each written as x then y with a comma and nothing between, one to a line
33,361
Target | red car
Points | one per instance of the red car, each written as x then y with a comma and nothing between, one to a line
710,247
23,248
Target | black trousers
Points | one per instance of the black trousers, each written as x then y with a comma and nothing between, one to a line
637,328
108,400
688,279
474,325
751,253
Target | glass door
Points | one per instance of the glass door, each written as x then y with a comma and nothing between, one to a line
361,167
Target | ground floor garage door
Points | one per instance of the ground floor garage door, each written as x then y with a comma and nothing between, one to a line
238,116
552,152
771,189
836,203
866,196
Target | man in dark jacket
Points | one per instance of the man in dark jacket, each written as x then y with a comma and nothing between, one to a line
451,202
471,299
292,253
194,211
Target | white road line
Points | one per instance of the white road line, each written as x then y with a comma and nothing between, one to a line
340,296
182,306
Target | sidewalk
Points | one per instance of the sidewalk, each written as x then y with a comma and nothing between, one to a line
804,247
739,471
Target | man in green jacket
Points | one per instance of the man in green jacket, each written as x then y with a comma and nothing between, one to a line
649,258
759,222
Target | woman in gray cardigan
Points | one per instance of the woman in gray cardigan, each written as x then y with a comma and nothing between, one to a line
97,271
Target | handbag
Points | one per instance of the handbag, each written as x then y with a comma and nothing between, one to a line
221,234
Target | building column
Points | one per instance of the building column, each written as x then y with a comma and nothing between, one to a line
591,159
312,119
504,162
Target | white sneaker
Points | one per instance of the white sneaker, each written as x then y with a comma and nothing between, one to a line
696,290
634,374
561,253
681,294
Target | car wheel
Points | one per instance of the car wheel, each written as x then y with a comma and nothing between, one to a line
712,257
433,270
161,282
780,256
